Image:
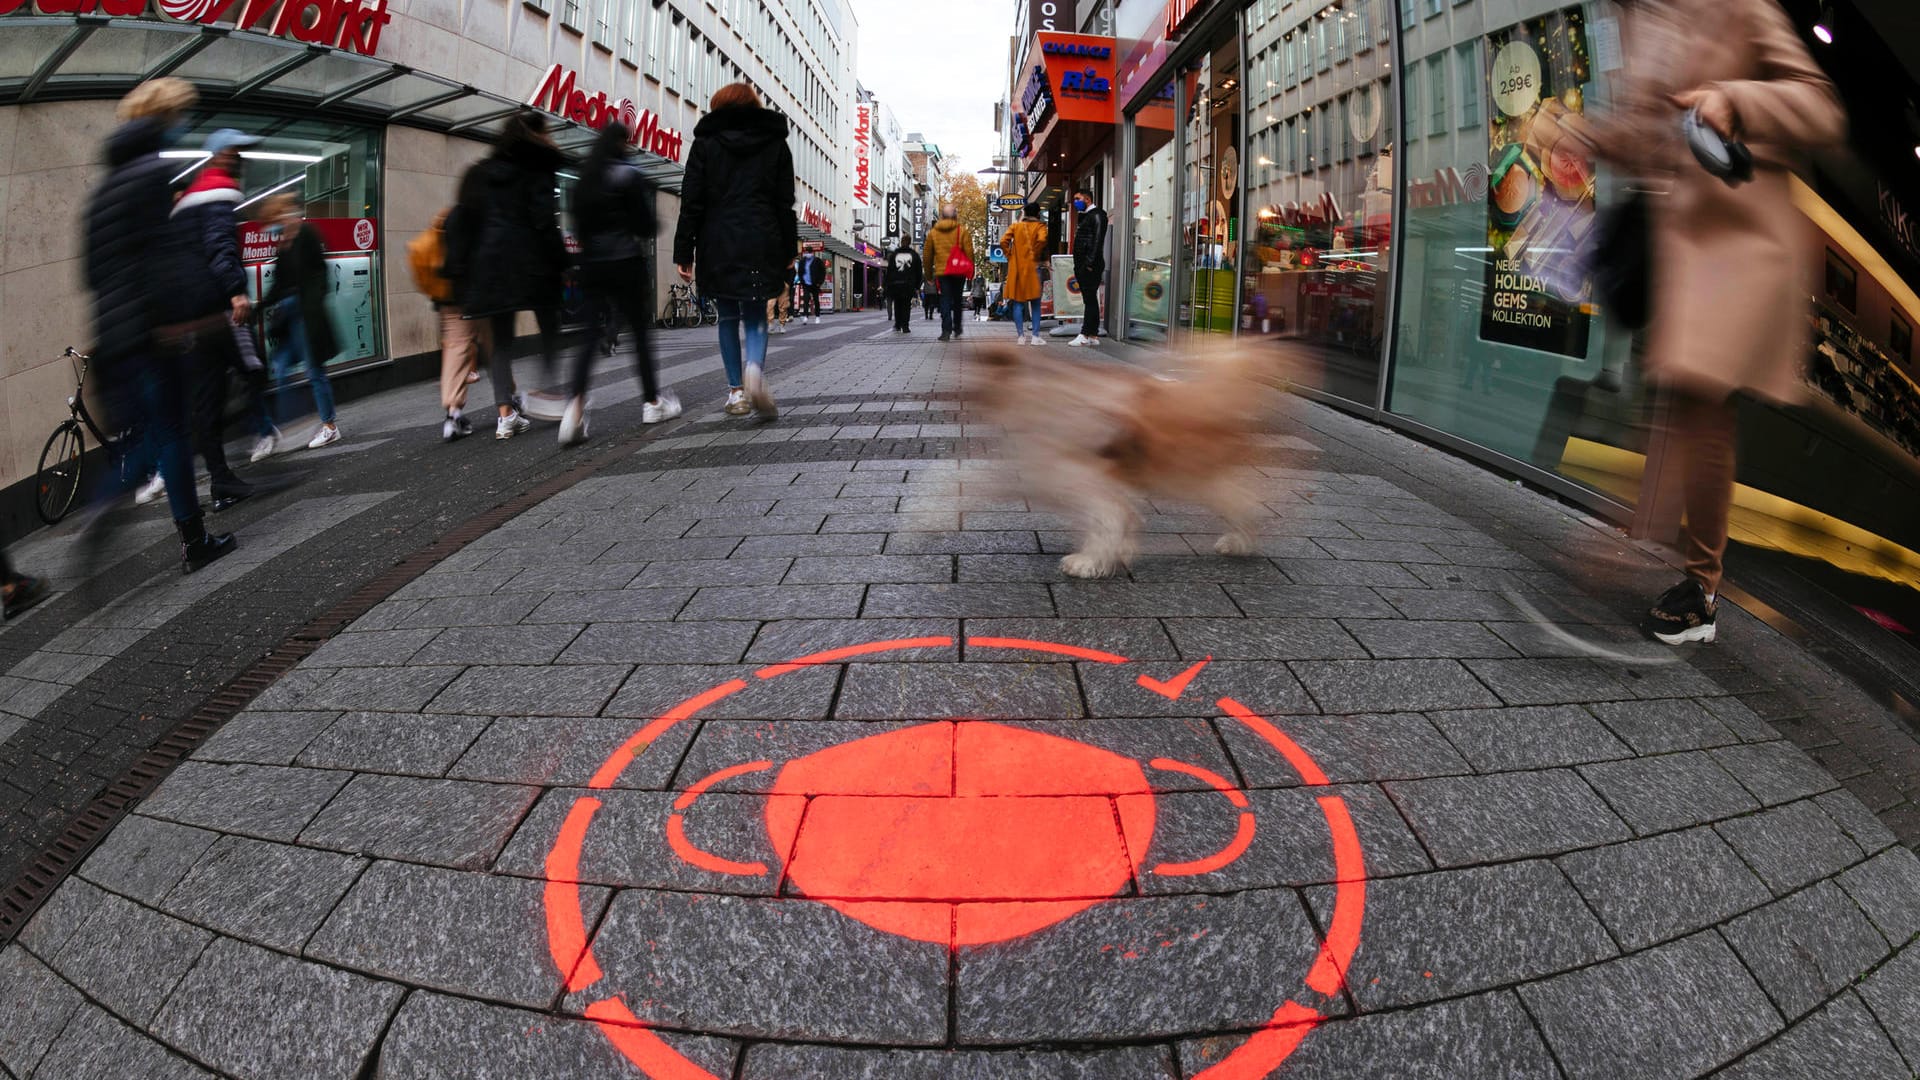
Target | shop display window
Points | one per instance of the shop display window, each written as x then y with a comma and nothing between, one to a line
1900,337
1843,283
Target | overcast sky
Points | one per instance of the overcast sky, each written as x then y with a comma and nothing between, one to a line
939,66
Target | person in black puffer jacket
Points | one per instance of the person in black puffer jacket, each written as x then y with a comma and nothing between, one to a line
614,221
738,227
507,255
152,296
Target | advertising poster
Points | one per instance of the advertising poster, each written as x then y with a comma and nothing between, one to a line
1150,288
1066,294
348,244
1540,197
350,303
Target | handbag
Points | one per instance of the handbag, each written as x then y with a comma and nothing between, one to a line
958,263
1622,260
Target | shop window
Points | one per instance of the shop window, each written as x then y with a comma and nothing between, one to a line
1842,282
1466,62
1437,94
1900,339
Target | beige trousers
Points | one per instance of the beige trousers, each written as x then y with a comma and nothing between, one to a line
459,354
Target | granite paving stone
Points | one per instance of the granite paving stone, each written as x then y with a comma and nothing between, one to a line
1528,737
723,744
947,522
619,605
456,823
1135,639
1145,968
143,857
627,844
1474,819
1806,947
252,1012
382,689
1267,689
1384,575
777,1061
1189,740
1666,886
531,690
1149,544
765,525
267,893
1121,599
1503,924
1856,820
1534,681
1654,727
264,738
940,542
653,689
1676,1010
1392,746
1311,601
767,968
1291,844
96,1046
788,639
1887,888
266,801
424,745
962,600
661,550
1487,1037
824,544
1790,846
993,568
445,581
869,569
531,644
1670,791
436,1037
568,750
127,957
910,691
1775,772
73,902
1207,566
1385,551
37,1004
660,643
375,648
1892,992
497,609
481,935
1739,718
1465,605
594,577
1356,686
1263,639
1841,1039
774,602
1409,639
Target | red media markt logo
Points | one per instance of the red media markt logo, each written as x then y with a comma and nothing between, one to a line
934,833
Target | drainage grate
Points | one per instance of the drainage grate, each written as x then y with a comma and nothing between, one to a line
22,897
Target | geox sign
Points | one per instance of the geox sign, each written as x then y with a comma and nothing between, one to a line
352,25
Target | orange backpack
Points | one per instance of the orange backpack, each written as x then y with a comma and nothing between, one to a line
426,253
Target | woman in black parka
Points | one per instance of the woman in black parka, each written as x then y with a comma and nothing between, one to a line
507,255
738,228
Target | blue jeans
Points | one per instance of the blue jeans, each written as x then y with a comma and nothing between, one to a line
733,314
1025,313
291,349
164,447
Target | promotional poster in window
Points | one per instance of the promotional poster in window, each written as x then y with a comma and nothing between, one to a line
1540,190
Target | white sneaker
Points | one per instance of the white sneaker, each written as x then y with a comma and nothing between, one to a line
326,436
816,320
737,402
573,422
510,425
1037,339
1082,339
666,408
758,393
263,449
779,328
1020,339
455,427
150,490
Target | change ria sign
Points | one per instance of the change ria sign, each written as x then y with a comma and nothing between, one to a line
353,25
558,95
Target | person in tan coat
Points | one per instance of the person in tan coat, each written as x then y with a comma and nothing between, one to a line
1025,243
945,235
1730,263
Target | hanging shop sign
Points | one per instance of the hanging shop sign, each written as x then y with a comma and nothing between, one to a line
1540,197
1180,12
893,213
1012,202
1022,136
862,166
558,95
1046,14
1080,76
351,25
815,218
1036,101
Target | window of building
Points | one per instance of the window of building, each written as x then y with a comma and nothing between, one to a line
1411,85
631,12
603,13
1325,118
1322,53
656,26
1362,14
570,14
674,34
1339,32
1466,62
1900,338
1434,7
538,5
1409,14
1437,94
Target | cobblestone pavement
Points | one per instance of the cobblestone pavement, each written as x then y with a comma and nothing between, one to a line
785,751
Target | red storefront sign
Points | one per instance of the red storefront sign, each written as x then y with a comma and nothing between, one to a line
862,167
353,25
815,218
350,235
558,95
1080,73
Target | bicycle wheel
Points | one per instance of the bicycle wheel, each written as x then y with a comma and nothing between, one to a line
709,312
689,315
57,484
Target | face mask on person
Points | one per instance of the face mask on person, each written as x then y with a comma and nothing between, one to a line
1080,205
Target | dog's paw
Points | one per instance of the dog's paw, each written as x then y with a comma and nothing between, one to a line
1234,544
1087,566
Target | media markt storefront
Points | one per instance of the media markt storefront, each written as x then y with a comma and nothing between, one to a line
367,112
1362,184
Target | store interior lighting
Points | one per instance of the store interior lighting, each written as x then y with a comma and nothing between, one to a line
1823,26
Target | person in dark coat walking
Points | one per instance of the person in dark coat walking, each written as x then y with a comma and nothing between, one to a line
811,273
738,229
904,277
298,303
151,299
1089,262
507,254
614,220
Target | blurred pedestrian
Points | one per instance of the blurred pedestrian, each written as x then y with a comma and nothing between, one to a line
1089,262
297,309
737,228
151,298
507,255
1025,243
929,295
1728,307
614,222
904,276
944,240
811,273
979,297
459,345
779,310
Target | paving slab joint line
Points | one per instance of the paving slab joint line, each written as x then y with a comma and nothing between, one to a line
19,899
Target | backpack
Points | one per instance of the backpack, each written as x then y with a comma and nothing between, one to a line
426,254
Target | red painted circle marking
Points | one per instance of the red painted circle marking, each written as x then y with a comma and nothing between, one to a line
945,782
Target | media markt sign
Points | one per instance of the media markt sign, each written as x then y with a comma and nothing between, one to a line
558,95
352,25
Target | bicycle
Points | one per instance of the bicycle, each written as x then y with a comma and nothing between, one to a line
686,309
62,460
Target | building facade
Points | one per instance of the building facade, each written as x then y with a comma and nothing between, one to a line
372,112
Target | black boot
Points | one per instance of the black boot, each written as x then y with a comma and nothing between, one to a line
198,547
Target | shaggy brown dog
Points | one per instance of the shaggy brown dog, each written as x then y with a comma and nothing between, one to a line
1087,436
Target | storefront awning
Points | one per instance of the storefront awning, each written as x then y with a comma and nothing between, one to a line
833,245
76,57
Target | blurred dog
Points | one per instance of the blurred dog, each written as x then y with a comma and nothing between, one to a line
1086,437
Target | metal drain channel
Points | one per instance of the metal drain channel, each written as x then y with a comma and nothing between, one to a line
22,897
